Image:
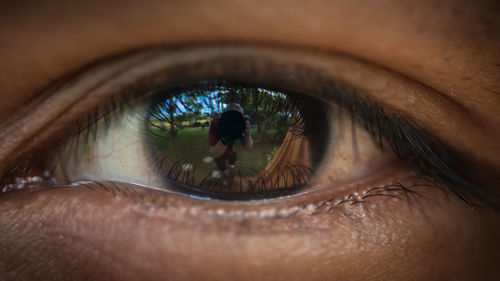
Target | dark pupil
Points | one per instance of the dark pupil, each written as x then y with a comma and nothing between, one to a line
287,131
231,124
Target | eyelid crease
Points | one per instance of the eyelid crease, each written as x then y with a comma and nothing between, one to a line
327,87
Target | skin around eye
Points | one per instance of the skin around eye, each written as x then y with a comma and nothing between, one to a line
101,232
342,226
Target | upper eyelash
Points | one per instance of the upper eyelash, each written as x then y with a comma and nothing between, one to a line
426,153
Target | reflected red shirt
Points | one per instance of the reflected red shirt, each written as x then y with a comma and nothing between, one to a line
214,135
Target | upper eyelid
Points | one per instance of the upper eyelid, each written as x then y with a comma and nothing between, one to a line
102,81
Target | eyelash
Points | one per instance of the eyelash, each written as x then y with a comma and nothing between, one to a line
413,145
408,141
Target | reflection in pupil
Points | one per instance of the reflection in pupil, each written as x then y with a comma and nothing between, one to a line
221,138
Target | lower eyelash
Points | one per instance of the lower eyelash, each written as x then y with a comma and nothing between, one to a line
432,159
159,199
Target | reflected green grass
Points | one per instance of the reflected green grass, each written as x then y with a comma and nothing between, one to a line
191,145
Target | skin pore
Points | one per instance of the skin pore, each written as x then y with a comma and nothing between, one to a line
435,61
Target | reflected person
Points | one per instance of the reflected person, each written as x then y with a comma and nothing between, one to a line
232,125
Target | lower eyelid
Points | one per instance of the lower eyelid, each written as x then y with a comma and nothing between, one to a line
365,233
324,201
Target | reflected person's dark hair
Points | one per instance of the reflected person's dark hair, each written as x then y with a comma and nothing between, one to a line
232,125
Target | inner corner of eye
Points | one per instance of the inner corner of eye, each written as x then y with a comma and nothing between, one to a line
234,140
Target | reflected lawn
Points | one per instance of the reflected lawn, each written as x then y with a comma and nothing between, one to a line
190,145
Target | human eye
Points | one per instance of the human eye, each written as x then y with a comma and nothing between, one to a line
369,159
341,136
298,143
